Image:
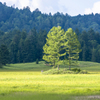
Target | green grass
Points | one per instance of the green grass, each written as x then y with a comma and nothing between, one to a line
26,82
26,67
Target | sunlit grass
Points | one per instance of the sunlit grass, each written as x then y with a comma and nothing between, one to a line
25,81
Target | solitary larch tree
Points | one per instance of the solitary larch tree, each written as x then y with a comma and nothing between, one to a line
60,43
72,47
53,46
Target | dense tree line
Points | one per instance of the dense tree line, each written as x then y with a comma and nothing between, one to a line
28,46
13,18
4,55
90,44
23,46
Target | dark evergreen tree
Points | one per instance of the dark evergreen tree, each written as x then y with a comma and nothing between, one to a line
13,52
4,55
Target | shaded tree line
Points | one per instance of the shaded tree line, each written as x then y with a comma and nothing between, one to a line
90,44
23,46
26,46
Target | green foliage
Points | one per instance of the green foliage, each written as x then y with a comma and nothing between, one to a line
57,41
23,46
65,71
30,47
72,47
83,72
4,55
26,46
76,69
53,46
13,18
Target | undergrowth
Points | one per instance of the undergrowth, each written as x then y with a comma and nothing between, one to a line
65,71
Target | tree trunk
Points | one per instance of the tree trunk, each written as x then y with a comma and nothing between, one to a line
58,67
69,60
54,65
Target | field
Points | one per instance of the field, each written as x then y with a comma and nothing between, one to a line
26,82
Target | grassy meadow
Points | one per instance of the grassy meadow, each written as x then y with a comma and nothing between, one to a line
26,82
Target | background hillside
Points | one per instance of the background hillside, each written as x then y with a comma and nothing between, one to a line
24,32
11,18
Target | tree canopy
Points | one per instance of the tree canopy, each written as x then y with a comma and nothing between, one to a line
53,46
60,43
24,32
72,47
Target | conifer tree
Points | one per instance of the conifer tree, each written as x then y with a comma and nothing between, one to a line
4,55
72,47
53,47
57,41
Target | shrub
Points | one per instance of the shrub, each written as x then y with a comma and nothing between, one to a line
83,72
75,69
65,71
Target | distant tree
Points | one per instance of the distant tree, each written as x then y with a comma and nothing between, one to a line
22,50
1,33
18,57
23,34
84,37
13,52
93,44
93,59
91,34
84,51
30,50
41,40
4,55
77,31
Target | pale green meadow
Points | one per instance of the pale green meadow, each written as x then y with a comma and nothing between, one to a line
26,82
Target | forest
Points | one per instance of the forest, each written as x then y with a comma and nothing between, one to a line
24,32
13,18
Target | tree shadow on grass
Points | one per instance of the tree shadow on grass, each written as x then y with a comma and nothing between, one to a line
44,96
33,96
